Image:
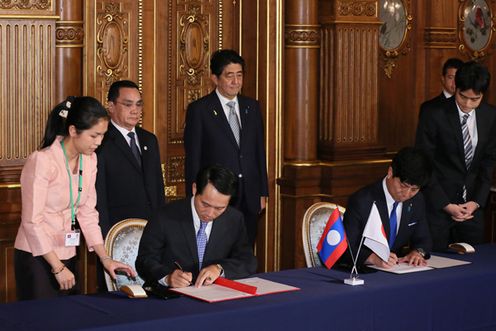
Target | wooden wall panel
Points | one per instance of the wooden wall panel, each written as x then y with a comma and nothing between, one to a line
112,48
348,110
27,89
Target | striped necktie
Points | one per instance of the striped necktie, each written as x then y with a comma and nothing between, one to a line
233,120
467,148
467,142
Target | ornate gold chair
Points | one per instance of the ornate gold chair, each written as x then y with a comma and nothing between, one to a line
122,243
314,223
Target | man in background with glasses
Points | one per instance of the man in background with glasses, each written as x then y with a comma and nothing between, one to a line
129,180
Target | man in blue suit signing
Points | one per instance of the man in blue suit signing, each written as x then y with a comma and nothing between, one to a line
225,128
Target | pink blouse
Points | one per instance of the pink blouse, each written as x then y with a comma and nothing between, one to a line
46,212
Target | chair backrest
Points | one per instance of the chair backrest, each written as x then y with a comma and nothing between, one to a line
122,243
314,223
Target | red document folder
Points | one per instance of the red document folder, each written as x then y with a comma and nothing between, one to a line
224,289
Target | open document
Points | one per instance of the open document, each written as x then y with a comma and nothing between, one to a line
224,289
435,262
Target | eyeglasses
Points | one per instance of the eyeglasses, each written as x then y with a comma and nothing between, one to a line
138,104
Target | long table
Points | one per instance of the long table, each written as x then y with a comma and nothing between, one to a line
458,298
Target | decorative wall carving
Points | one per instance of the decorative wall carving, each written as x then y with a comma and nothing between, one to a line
69,33
394,36
25,4
175,169
24,112
357,8
437,37
112,43
302,36
475,27
193,46
195,31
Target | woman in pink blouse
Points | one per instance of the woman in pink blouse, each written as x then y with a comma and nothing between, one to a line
58,202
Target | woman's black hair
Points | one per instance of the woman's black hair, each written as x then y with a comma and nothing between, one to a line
82,112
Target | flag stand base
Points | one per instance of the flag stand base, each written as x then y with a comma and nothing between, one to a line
353,281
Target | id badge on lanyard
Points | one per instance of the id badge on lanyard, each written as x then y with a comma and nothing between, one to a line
73,237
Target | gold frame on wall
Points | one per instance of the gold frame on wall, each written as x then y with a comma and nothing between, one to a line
396,33
475,27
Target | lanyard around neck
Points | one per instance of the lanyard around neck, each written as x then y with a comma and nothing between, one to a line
80,185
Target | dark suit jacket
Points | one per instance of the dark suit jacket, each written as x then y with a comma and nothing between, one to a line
433,103
171,238
413,231
439,133
125,190
208,140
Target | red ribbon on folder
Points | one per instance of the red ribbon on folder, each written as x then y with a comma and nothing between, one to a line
236,285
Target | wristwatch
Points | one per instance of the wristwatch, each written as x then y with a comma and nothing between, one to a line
421,252
221,270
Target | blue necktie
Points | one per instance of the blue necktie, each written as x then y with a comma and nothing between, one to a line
201,242
393,224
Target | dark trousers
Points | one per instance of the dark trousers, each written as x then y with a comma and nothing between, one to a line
251,218
35,280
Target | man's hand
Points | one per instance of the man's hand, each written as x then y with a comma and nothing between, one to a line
377,261
470,207
179,278
413,258
460,213
208,275
263,203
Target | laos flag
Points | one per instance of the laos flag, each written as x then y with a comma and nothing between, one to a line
333,242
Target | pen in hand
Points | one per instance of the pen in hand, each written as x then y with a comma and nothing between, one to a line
178,266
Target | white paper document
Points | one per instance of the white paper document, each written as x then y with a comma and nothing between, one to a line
402,268
435,262
439,262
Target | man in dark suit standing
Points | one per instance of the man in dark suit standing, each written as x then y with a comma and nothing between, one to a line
460,138
448,83
129,180
198,239
226,128
401,208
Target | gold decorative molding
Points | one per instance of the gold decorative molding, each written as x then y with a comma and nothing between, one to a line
305,36
345,163
69,33
112,43
476,27
175,169
140,47
26,4
220,24
194,48
189,76
438,37
10,186
31,17
169,191
357,8
391,54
